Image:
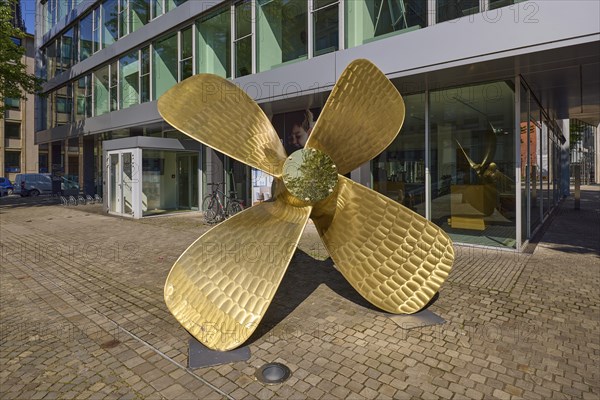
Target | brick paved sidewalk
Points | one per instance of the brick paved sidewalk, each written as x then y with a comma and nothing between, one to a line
82,317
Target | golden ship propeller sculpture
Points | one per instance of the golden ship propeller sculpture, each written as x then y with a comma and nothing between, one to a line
392,256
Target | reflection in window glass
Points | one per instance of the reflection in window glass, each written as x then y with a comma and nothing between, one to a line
97,29
399,172
171,4
370,20
145,74
83,98
452,9
110,31
51,59
186,62
67,49
12,161
101,79
325,26
63,106
12,103
129,69
214,38
139,14
123,17
282,32
164,65
85,37
156,8
243,38
473,163
114,81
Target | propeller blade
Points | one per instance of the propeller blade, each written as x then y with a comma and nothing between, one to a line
392,256
361,117
221,286
216,112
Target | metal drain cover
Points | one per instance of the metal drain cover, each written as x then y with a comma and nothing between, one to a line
273,373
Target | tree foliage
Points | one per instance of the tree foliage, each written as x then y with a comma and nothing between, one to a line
15,81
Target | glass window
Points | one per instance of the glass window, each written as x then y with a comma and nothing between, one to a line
12,130
452,9
110,22
67,49
129,67
12,103
370,20
325,18
140,14
171,4
473,163
156,8
214,43
164,65
114,81
12,161
51,59
101,80
64,102
282,32
145,74
86,47
83,98
186,53
399,172
123,17
97,29
243,38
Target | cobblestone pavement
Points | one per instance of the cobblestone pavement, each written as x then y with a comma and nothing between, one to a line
82,317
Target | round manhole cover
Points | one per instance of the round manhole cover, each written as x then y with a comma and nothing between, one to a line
273,373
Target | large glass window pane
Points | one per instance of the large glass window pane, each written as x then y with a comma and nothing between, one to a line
101,80
114,81
130,73
243,38
452,9
110,22
214,38
164,65
282,32
186,53
64,102
83,93
525,162
156,8
12,103
123,17
67,49
325,26
473,164
145,74
51,59
140,14
370,20
97,29
399,172
85,37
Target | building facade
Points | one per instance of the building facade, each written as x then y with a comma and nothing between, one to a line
19,152
482,80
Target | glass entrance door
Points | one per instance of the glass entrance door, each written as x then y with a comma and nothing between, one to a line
187,181
121,181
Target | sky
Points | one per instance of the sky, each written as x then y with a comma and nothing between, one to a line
28,11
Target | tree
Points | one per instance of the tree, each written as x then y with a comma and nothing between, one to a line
15,81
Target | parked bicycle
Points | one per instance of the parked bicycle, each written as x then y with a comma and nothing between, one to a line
216,210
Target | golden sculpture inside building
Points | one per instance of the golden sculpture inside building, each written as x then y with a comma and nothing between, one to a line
221,286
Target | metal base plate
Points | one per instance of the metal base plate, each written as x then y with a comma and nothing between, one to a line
200,356
419,319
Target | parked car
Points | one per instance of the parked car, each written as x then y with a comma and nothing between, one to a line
33,184
6,187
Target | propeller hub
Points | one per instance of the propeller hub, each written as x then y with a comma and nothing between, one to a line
310,175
